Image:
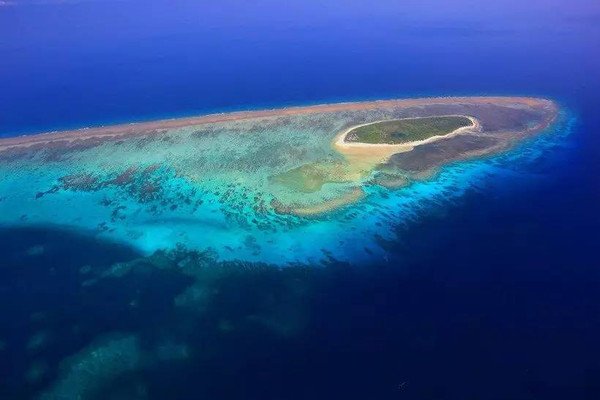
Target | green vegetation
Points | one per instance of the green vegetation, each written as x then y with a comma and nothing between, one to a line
406,130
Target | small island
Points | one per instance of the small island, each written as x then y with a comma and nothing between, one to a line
406,130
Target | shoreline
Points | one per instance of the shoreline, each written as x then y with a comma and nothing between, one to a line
367,155
158,126
340,139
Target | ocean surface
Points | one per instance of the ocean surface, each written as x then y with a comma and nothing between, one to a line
488,288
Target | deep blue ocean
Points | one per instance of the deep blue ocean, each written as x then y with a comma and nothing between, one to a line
494,296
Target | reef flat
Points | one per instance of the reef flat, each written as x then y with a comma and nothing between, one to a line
223,180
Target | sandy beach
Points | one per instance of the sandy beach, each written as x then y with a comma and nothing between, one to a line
378,152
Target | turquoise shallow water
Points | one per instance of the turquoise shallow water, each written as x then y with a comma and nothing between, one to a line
233,230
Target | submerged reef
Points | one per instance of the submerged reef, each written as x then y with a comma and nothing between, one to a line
250,185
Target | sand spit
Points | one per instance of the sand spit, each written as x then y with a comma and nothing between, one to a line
320,208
